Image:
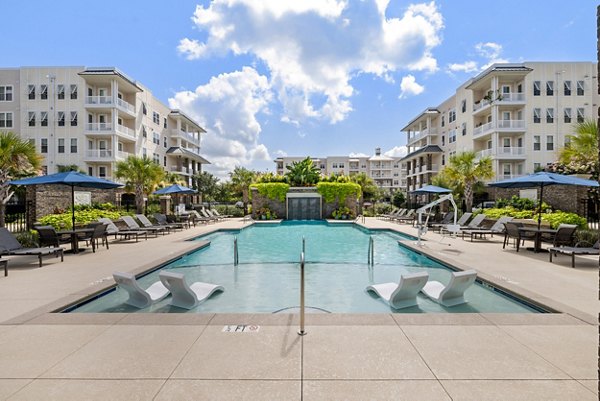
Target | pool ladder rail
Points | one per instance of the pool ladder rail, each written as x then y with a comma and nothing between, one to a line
236,255
371,252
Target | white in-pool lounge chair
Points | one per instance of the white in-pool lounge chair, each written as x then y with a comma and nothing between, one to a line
404,294
454,293
139,297
184,295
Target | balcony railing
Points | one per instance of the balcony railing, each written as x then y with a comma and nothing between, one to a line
182,170
511,124
98,153
422,134
480,105
126,106
98,101
512,97
482,129
123,155
102,127
511,151
484,153
123,130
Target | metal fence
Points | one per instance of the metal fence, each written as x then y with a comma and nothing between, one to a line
15,217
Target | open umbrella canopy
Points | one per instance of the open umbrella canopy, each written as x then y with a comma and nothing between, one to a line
431,189
543,179
71,178
175,189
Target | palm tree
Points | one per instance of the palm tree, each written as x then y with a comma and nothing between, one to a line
140,174
206,184
18,159
303,173
466,170
367,186
582,149
241,178
172,178
61,168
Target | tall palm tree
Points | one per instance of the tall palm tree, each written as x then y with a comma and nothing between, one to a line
18,159
467,171
140,174
241,178
583,146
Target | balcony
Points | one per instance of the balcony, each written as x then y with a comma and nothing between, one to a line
511,125
422,135
481,105
186,136
483,129
484,153
126,133
432,168
123,155
181,170
102,128
126,107
512,98
514,153
99,155
98,101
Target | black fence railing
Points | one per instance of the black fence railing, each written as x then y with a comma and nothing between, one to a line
16,222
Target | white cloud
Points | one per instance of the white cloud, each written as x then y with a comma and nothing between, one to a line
313,48
490,53
467,66
410,87
227,107
280,153
358,155
396,151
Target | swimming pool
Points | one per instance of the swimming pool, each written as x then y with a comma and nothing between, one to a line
266,280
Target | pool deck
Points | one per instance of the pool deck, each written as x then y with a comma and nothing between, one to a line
49,356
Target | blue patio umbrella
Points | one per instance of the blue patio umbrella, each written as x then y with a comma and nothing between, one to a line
72,179
175,189
431,189
543,179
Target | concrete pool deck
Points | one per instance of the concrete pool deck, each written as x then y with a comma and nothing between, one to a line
353,357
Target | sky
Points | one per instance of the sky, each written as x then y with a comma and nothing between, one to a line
296,78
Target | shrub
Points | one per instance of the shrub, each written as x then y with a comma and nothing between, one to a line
63,221
342,213
586,237
382,208
272,190
230,210
557,218
28,239
332,191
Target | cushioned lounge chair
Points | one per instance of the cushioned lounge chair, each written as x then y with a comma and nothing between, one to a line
403,294
454,293
497,228
10,246
462,220
112,229
409,217
134,226
146,223
139,297
574,251
184,295
208,215
161,219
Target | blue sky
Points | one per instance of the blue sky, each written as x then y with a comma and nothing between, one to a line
311,77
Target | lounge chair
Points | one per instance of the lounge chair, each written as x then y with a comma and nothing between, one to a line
196,217
10,246
112,229
564,236
574,251
95,237
139,297
497,228
409,217
133,226
161,219
403,294
184,295
446,219
462,220
454,293
395,213
146,223
224,216
209,216
47,236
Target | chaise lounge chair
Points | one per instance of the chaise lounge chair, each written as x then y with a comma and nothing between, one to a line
10,246
404,294
139,297
134,226
453,293
112,229
460,222
162,220
574,251
146,223
184,295
497,228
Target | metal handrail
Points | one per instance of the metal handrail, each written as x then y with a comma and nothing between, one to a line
371,252
236,257
303,244
302,332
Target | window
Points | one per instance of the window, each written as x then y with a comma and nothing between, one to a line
506,169
443,121
31,92
165,141
334,165
43,92
60,92
550,115
61,145
550,88
102,171
536,88
144,109
536,142
505,89
464,129
155,118
567,115
452,115
443,140
463,106
6,120
44,118
341,165
73,92
6,93
580,114
44,145
443,160
144,152
580,88
32,142
549,142
31,118
567,87
506,142
537,167
90,171
164,122
73,145
61,118
144,133
156,138
452,136
536,115
156,158
73,119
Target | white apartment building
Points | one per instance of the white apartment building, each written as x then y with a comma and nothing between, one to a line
95,117
389,173
517,114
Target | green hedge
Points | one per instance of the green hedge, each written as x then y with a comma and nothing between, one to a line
330,191
272,190
555,219
64,220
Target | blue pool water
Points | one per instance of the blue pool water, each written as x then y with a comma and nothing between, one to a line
267,277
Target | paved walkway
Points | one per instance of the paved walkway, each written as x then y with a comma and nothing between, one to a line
50,356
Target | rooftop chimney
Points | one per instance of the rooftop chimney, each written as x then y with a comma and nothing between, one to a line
377,151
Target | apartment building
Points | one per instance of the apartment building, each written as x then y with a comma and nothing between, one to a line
389,173
517,114
95,117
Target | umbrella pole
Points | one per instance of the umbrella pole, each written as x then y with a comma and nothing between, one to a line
540,207
73,205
